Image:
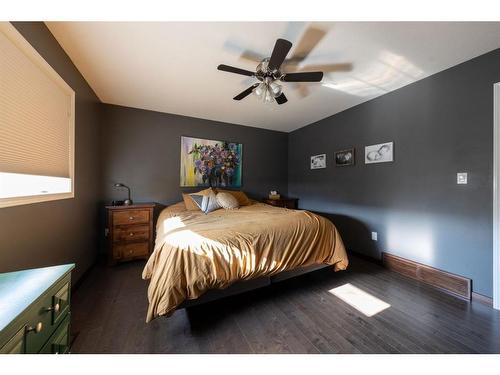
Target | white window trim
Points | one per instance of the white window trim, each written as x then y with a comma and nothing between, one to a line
17,38
496,196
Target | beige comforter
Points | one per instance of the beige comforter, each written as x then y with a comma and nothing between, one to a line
195,252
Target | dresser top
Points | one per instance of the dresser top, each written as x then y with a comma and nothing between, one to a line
18,290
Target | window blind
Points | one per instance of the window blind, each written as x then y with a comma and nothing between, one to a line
36,119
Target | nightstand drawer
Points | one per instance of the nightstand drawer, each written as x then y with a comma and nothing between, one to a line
131,217
131,233
290,204
274,202
282,202
131,250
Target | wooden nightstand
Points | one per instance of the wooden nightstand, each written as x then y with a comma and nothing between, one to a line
130,232
283,202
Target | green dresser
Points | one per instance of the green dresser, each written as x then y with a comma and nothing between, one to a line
35,310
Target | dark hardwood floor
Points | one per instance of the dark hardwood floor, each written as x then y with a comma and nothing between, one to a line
295,316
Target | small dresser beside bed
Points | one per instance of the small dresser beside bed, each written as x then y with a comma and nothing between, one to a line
216,243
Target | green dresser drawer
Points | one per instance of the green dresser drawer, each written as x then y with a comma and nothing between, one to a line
47,314
36,313
58,343
16,344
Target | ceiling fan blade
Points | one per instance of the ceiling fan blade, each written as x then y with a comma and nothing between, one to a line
302,88
252,56
281,99
232,69
303,77
245,93
310,39
280,51
341,67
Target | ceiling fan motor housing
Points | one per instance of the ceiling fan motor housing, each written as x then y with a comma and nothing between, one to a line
263,71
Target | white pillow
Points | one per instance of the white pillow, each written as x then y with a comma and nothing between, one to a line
227,201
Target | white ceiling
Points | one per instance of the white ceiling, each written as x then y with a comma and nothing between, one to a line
171,66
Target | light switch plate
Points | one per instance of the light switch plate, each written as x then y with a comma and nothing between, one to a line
462,178
374,236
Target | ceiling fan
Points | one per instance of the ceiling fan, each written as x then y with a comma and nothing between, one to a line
268,72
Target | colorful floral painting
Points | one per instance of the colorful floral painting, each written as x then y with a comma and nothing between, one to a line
210,163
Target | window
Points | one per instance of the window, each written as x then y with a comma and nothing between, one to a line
37,117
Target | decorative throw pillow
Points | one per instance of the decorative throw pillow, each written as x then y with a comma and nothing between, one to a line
240,196
197,200
188,201
207,203
227,201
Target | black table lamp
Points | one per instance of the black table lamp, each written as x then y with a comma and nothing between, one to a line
128,201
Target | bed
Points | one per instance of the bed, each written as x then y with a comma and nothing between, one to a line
198,255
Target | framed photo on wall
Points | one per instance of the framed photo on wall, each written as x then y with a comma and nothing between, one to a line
380,153
318,161
344,157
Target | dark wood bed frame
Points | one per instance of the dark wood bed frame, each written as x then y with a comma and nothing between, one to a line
248,285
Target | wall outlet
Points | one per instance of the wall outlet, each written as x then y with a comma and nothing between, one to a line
462,178
374,236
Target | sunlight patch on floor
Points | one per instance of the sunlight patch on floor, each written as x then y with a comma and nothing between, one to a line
359,299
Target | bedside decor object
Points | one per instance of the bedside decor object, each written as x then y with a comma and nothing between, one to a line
127,201
284,202
318,161
210,163
273,194
129,231
35,313
344,157
380,153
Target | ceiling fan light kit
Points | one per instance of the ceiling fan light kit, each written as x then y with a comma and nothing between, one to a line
267,90
268,72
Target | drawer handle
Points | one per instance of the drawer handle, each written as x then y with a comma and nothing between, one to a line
131,218
37,329
131,234
54,308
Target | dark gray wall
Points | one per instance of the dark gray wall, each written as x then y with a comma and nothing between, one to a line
142,149
61,231
440,126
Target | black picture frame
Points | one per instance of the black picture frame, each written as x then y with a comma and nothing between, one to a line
345,158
